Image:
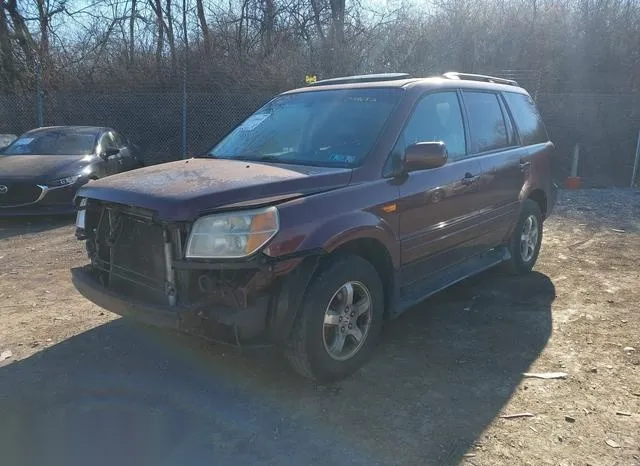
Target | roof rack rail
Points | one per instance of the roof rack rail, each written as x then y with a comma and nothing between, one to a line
364,78
480,77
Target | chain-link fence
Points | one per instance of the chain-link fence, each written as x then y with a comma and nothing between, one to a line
154,122
605,126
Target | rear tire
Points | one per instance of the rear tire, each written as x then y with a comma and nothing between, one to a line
526,239
340,321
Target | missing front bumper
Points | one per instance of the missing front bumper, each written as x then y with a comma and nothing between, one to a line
244,327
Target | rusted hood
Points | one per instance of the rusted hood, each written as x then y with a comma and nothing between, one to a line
184,189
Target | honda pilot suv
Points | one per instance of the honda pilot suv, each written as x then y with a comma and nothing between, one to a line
330,210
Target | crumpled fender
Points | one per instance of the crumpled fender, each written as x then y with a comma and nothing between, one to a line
351,226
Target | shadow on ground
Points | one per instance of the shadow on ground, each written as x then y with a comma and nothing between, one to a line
10,227
121,394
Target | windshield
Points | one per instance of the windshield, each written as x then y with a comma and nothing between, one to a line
324,128
53,143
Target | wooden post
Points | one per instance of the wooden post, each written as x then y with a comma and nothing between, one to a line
573,181
635,164
576,158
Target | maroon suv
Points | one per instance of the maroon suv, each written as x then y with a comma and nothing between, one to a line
328,211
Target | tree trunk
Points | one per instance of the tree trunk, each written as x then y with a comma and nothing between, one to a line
7,69
132,21
337,17
338,45
269,26
157,8
244,13
43,20
21,31
206,37
317,22
171,38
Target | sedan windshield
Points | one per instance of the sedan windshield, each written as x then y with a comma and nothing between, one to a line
53,143
324,128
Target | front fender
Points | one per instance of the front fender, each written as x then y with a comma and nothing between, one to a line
352,226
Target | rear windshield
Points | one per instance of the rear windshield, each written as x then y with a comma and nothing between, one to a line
53,143
324,128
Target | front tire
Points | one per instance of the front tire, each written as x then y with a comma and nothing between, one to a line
526,239
340,321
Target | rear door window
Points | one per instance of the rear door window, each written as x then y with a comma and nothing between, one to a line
527,118
107,142
117,140
487,125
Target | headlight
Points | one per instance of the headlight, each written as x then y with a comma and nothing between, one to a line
232,235
63,181
82,209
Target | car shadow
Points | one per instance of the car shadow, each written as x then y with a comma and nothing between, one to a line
124,394
17,226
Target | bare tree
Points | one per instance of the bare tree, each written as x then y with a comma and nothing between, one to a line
132,24
274,43
204,27
171,38
7,68
156,6
20,29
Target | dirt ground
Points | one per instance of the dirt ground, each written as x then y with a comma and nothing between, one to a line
83,387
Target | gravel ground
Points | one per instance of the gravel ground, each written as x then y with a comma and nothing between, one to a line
83,387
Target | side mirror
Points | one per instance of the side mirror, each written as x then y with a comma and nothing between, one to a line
109,153
425,155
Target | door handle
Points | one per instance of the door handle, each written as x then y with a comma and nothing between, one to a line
524,164
469,178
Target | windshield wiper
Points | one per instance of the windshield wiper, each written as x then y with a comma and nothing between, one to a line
255,158
267,158
247,157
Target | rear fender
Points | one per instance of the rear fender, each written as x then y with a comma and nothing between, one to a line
540,171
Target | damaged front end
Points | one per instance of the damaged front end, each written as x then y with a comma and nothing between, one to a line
140,268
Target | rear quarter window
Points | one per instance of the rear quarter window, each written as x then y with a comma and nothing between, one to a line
527,118
486,121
